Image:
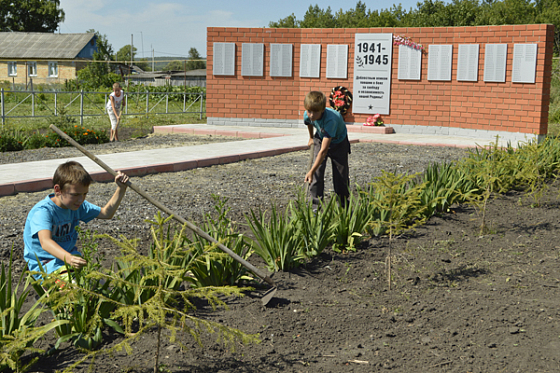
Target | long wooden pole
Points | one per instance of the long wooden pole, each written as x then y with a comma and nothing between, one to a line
168,211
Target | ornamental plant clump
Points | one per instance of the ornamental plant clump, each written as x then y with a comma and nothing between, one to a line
404,40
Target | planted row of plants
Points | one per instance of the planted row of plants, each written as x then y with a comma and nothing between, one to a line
138,293
142,292
11,141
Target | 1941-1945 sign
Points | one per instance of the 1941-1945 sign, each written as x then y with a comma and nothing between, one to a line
372,73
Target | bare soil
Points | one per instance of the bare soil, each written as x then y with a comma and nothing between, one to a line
460,302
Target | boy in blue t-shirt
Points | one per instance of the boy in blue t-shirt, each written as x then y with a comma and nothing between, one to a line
330,140
50,229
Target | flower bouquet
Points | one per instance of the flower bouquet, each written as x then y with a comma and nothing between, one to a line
374,120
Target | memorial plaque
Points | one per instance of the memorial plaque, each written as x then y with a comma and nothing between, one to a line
224,59
524,67
337,61
310,61
439,62
467,63
495,58
252,59
372,73
281,60
410,63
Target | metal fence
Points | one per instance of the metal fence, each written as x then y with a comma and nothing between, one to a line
18,104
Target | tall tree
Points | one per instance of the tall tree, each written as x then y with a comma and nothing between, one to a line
124,54
30,15
194,61
175,66
358,17
316,17
288,22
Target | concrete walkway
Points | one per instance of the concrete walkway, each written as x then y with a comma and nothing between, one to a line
261,142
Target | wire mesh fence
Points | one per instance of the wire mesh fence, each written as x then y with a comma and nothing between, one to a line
82,104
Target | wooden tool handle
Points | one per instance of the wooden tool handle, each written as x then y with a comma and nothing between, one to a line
163,208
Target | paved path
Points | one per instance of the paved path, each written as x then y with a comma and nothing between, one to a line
261,142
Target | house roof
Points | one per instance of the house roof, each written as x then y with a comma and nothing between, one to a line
40,45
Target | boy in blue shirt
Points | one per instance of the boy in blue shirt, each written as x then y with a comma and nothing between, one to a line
50,229
330,141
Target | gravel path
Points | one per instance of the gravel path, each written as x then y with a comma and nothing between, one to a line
250,184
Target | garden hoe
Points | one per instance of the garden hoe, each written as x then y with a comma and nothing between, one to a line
265,298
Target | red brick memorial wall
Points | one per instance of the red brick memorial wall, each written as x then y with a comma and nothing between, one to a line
471,81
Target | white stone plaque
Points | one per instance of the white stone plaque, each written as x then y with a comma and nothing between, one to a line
495,58
410,63
252,59
524,66
440,58
310,61
224,59
281,60
372,73
467,63
337,61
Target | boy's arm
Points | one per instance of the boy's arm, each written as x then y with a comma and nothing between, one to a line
320,157
310,130
111,207
50,246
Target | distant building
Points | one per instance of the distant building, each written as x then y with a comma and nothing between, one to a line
41,58
174,78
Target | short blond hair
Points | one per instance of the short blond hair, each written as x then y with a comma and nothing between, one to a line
315,101
116,85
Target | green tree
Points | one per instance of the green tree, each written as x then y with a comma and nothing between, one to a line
124,54
30,15
316,17
548,11
194,61
177,65
288,22
358,17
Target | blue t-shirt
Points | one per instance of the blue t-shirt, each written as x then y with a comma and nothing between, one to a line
61,222
330,125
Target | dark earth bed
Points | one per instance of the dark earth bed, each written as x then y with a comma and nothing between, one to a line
460,302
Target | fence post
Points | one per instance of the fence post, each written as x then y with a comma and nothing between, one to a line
147,103
2,104
201,98
166,103
32,102
184,101
81,107
55,105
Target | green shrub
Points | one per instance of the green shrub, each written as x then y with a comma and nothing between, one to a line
276,239
316,228
210,265
18,332
351,222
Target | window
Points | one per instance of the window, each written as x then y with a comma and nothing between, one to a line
32,68
53,69
12,68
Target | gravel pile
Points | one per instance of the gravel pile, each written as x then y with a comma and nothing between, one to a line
252,184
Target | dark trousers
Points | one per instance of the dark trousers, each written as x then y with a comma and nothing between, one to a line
338,153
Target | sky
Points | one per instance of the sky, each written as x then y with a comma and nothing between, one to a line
172,28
